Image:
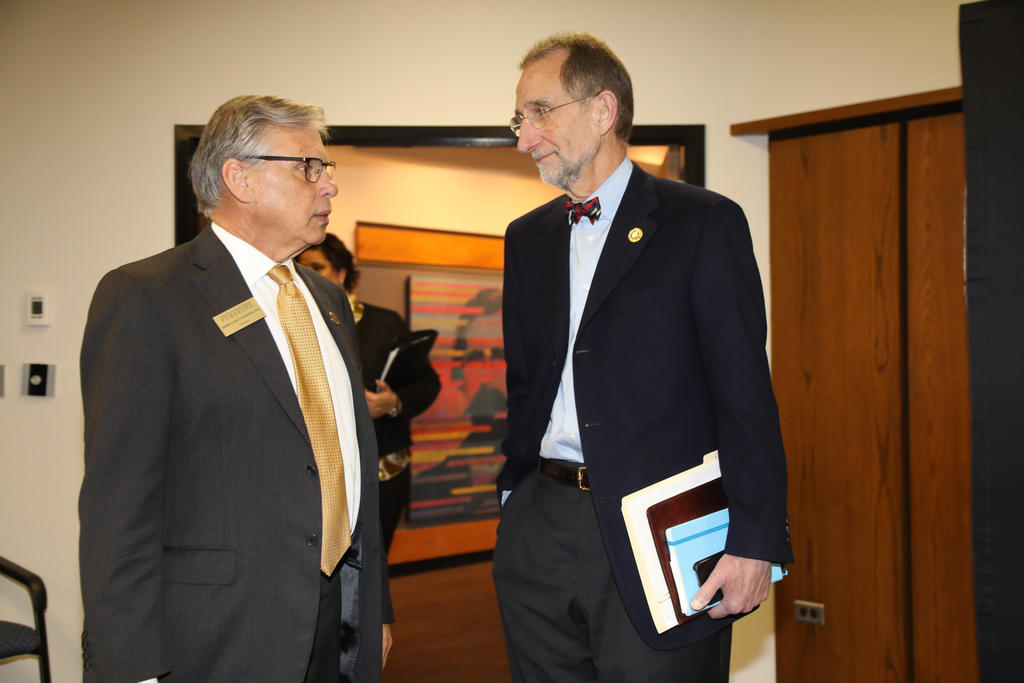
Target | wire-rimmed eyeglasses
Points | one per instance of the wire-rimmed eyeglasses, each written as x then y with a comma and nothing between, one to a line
312,166
538,116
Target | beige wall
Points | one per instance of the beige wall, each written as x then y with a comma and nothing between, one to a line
459,189
92,90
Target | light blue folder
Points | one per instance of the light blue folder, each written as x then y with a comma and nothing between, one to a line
691,542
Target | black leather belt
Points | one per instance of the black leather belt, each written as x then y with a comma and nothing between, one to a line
571,476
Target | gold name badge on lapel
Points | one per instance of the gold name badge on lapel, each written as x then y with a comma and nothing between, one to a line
635,235
239,317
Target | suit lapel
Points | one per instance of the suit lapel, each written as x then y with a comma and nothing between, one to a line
219,281
552,249
621,249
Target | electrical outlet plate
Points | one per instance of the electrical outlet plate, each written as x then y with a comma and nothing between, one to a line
809,612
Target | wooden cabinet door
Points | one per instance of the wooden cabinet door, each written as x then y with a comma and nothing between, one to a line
838,360
939,453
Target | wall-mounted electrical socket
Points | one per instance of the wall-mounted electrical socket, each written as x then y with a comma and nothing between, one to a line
809,612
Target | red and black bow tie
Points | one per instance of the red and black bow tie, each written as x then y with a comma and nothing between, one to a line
574,211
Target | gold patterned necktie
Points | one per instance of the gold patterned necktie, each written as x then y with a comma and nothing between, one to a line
318,411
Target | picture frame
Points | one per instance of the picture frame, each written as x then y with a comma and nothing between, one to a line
450,281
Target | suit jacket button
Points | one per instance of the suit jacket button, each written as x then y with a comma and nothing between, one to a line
311,540
311,469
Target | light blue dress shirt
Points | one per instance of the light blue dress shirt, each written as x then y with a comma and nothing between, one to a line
586,242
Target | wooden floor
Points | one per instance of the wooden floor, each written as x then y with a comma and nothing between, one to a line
447,627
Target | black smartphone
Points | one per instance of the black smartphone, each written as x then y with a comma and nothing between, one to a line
704,568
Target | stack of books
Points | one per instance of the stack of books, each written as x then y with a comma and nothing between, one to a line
677,528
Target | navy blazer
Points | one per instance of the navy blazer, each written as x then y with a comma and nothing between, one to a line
200,506
669,363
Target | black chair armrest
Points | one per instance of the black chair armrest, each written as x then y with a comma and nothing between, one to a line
30,580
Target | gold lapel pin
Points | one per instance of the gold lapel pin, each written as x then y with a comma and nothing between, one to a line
635,235
334,318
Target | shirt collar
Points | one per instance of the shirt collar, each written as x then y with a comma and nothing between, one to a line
252,262
613,188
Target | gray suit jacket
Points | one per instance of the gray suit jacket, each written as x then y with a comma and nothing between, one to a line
200,506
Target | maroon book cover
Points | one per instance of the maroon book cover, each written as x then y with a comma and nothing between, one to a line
697,502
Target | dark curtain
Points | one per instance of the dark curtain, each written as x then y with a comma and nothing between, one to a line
992,60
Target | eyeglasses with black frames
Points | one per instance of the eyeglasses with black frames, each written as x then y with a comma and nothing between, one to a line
312,166
538,116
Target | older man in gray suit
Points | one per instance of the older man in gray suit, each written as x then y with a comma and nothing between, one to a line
229,507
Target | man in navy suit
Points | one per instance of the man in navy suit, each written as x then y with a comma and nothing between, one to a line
634,335
201,509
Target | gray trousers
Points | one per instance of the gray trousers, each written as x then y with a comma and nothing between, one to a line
563,618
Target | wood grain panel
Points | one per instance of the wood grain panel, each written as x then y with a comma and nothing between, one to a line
425,543
850,111
447,628
395,244
838,366
945,646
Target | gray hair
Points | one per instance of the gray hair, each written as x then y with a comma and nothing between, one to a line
590,67
238,130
